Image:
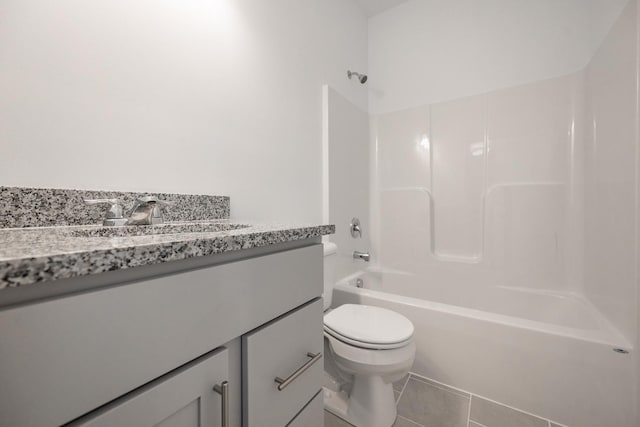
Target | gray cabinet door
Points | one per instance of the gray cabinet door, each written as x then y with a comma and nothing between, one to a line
183,398
288,349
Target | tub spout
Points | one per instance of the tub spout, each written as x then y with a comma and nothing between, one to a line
361,255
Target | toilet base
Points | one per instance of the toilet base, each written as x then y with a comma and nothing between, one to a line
370,404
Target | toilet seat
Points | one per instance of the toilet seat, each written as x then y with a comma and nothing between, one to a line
368,327
365,345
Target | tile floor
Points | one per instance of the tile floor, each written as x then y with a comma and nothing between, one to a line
425,403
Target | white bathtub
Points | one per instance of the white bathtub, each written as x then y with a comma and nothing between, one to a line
545,353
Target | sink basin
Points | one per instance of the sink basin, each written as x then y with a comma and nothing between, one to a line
150,230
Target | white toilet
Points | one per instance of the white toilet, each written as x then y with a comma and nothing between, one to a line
368,348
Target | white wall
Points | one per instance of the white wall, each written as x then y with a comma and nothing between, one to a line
452,49
214,97
347,183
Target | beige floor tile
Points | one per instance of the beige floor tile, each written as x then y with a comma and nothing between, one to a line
428,405
492,414
403,422
331,420
442,386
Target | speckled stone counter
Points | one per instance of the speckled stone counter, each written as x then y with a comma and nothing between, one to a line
44,207
51,234
39,254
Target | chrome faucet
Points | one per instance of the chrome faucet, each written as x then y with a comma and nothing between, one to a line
146,211
361,255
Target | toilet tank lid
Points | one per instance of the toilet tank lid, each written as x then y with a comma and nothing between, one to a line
330,248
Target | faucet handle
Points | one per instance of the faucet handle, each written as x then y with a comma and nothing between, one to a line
115,213
115,206
153,200
355,229
148,211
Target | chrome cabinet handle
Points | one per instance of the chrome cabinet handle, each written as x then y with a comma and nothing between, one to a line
223,390
283,383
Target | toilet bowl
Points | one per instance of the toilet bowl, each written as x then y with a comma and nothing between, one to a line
368,348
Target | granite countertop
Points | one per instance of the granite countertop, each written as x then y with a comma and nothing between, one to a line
40,254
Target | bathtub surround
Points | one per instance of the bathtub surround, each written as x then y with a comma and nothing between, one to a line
45,207
611,175
508,208
493,201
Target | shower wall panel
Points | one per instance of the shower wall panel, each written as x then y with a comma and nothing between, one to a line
487,183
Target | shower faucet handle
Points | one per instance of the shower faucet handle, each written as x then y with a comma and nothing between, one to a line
355,229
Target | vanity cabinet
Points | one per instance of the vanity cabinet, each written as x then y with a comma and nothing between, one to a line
150,352
196,395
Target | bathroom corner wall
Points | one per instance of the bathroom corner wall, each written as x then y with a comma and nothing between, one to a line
458,48
611,170
346,167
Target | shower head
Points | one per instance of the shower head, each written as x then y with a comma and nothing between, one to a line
362,78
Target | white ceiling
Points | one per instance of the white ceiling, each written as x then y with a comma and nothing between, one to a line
373,7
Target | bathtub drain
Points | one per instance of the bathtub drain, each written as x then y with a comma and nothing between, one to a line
621,350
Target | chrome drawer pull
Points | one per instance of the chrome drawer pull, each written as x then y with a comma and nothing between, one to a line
283,383
223,390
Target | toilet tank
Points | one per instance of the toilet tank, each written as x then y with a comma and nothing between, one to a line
330,255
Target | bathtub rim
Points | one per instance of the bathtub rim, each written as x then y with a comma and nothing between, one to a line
605,334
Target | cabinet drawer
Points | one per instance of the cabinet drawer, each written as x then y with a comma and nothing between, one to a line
312,415
282,349
184,398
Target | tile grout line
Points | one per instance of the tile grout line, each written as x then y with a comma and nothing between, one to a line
442,386
411,421
470,395
406,383
402,390
511,407
469,411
